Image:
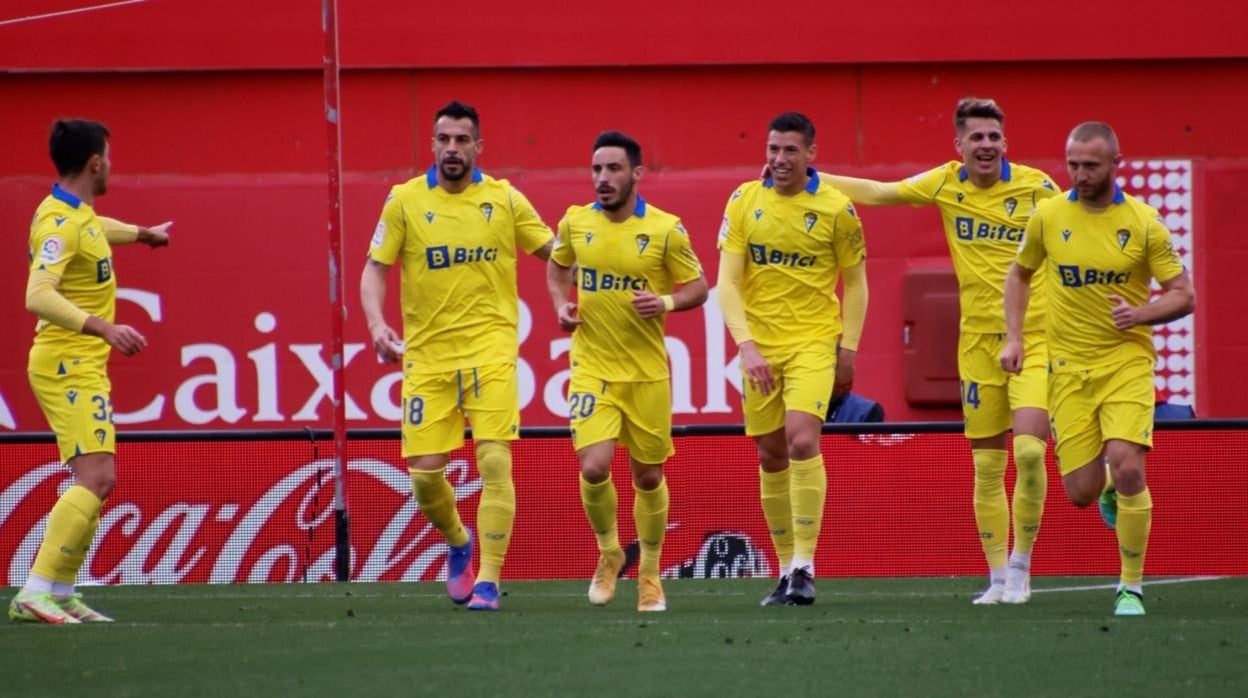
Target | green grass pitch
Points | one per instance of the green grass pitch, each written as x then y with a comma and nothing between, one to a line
887,637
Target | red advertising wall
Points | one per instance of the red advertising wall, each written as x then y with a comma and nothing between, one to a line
225,136
898,505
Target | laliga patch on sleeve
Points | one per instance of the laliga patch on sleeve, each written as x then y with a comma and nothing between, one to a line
51,251
379,234
723,229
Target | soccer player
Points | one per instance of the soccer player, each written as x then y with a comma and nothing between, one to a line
455,232
1098,248
984,202
783,244
73,291
635,264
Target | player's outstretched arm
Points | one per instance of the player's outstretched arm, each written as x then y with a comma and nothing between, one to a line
372,299
120,233
865,191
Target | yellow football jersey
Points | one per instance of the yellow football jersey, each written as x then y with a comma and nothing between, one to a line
458,266
1086,256
983,228
648,252
795,247
68,240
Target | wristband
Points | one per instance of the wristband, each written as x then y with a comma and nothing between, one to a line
669,303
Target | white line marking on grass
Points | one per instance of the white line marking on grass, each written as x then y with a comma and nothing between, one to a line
1114,585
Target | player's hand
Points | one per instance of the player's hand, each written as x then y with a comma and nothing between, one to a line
757,370
844,381
1125,316
1012,357
157,236
124,339
765,173
569,317
387,344
647,304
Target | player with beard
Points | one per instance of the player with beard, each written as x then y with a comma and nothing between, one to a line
455,232
1098,248
73,291
984,202
783,244
634,264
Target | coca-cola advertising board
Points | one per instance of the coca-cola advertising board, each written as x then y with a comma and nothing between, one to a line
898,505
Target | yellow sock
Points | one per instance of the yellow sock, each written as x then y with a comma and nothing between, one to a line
650,513
1109,479
992,512
808,490
67,526
436,499
1029,490
774,489
497,510
600,503
69,574
1135,517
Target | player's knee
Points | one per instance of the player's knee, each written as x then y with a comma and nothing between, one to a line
803,446
648,478
102,487
773,454
595,471
494,462
1029,461
1082,496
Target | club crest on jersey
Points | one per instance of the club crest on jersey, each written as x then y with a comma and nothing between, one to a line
1124,236
643,241
811,219
1066,235
429,216
1010,204
487,210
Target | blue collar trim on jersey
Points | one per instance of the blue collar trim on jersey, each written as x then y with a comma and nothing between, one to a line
812,186
1005,171
62,195
639,210
432,176
1119,196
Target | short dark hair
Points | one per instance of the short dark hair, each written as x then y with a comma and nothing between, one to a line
73,142
458,110
1089,130
615,139
794,121
976,108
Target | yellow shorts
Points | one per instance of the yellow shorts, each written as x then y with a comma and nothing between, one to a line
803,384
1090,407
638,415
989,394
79,409
435,405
